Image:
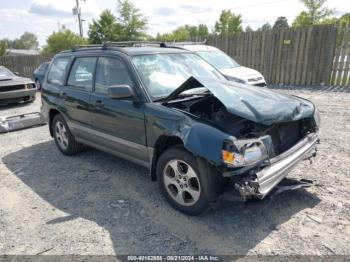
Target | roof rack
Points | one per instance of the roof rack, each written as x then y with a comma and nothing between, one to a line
187,43
134,43
121,44
76,47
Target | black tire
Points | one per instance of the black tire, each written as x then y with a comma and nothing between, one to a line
72,147
179,153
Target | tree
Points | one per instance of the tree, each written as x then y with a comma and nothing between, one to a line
131,20
26,41
203,31
179,34
344,20
105,29
265,27
280,23
62,40
228,23
303,19
249,29
197,33
3,47
316,13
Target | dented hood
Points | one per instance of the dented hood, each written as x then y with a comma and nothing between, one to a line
258,104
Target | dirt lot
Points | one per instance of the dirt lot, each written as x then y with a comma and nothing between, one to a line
95,203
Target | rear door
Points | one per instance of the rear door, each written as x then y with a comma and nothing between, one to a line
78,90
118,123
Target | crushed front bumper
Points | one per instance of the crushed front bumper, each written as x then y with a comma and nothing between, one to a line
269,177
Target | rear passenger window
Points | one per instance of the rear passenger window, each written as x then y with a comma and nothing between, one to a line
81,74
58,70
111,72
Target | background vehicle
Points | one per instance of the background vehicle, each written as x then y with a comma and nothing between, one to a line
39,74
170,111
226,64
15,88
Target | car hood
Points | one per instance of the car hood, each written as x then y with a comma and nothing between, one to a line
14,80
258,104
241,72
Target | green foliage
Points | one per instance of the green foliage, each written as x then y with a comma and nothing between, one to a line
179,34
344,20
26,41
316,13
280,23
106,28
62,40
132,22
3,47
265,27
303,19
228,23
249,29
185,33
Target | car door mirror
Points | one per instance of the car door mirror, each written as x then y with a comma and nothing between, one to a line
120,92
16,73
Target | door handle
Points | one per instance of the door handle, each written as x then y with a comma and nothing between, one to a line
63,94
98,103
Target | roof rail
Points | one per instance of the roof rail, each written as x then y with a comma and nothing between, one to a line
133,43
187,43
76,47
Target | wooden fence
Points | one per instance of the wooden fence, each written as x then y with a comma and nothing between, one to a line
24,65
303,56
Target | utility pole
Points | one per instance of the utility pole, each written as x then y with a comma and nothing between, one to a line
77,12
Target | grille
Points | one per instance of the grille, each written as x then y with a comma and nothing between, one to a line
260,84
13,88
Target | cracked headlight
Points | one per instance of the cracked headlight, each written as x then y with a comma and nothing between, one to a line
243,153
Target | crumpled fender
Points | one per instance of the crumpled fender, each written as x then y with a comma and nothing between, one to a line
205,141
199,138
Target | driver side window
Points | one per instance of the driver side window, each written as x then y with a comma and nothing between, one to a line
111,72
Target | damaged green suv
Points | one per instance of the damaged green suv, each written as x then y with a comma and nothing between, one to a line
170,111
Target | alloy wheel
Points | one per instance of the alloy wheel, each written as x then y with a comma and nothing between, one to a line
181,182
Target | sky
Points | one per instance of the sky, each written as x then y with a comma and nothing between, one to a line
42,17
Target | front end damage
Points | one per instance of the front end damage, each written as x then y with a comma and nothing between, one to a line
264,134
262,180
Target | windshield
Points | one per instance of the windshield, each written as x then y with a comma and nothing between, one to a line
5,72
163,73
218,59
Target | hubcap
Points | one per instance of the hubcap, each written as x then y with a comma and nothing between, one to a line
181,182
61,135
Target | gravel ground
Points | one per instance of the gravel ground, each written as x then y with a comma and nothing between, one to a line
95,203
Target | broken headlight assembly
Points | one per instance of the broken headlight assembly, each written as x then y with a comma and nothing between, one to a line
241,153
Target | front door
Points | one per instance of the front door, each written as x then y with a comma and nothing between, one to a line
118,123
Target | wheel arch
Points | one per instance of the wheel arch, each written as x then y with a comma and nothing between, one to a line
163,143
52,113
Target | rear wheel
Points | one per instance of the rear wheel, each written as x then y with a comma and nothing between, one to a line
181,182
64,139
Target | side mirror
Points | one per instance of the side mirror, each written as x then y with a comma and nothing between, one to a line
120,92
16,73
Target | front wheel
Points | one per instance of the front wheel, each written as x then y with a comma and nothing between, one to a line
180,181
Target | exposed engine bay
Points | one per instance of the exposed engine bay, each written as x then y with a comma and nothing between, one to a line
210,109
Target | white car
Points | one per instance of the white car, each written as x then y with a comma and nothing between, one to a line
226,65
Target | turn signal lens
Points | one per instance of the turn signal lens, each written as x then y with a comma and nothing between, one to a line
228,157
